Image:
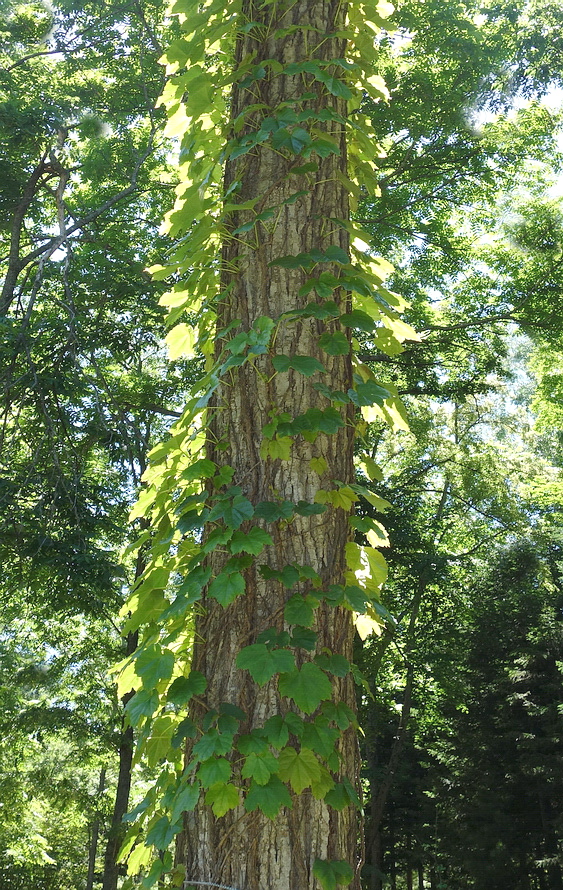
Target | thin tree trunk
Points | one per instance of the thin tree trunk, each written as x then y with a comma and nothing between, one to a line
95,833
392,859
247,850
379,796
375,861
125,756
15,264
121,805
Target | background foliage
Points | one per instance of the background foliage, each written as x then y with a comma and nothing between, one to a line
463,734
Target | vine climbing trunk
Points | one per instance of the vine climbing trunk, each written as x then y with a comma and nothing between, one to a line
245,848
250,526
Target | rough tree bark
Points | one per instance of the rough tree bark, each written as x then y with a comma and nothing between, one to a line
244,850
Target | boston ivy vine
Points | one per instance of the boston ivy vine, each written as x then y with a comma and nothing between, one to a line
210,540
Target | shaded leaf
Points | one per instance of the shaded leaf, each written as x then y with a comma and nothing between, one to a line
269,798
262,663
307,687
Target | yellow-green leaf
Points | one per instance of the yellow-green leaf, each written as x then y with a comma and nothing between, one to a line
181,341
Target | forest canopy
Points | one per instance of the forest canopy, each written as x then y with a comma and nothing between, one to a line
449,221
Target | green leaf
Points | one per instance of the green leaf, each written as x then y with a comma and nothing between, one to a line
304,364
157,745
212,742
320,737
305,509
300,610
225,588
200,469
253,542
314,420
278,448
217,538
157,869
143,704
332,873
332,254
185,801
363,524
281,363
319,465
265,215
311,167
260,768
232,507
324,783
322,311
258,72
294,723
299,768
192,586
237,564
272,511
262,663
358,319
181,341
268,798
274,639
368,393
153,664
325,147
334,85
323,285
307,687
162,833
252,744
289,576
228,724
335,664
222,798
304,638
294,140
337,797
336,343
231,710
339,713
307,67
335,254
276,731
295,261
186,729
352,793
214,770
238,511
350,596
184,688
190,520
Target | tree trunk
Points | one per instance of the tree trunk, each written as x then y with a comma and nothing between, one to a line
121,805
95,832
244,850
125,750
420,876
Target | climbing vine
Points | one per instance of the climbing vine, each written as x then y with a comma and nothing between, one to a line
242,88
